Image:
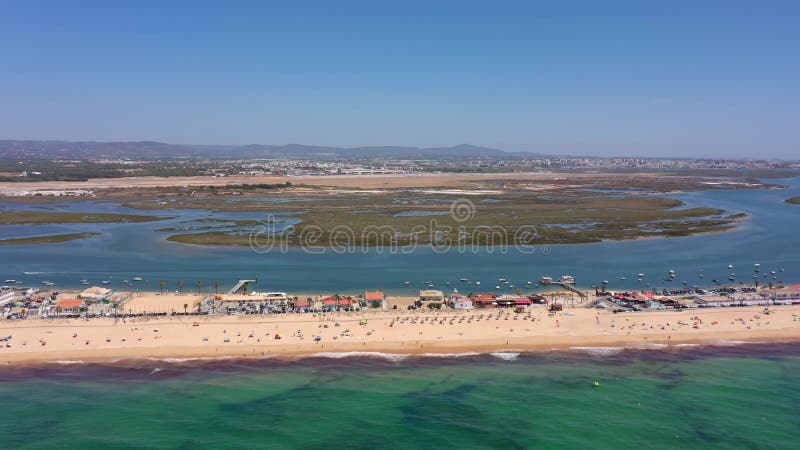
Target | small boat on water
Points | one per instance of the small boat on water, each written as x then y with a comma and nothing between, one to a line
478,283
11,281
497,287
623,278
502,280
85,283
105,281
464,280
137,278
730,266
406,282
641,275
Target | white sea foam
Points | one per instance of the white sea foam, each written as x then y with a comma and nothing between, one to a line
648,346
600,351
448,355
506,356
67,361
339,355
199,358
732,343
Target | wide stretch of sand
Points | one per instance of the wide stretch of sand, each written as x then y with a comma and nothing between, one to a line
386,331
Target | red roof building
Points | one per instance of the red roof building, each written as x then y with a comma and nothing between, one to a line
69,303
374,296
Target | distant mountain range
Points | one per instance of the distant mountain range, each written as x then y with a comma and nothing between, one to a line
154,150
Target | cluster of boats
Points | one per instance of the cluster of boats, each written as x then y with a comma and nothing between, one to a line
83,282
504,282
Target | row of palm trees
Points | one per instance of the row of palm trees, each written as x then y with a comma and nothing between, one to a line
162,284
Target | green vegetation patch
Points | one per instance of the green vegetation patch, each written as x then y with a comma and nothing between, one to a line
40,217
403,219
49,239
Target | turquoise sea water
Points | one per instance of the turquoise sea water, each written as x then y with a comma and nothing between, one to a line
769,237
732,397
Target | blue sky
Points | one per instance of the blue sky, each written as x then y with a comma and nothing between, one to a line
683,78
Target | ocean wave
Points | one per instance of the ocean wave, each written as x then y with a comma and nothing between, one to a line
506,356
600,351
732,343
67,361
340,355
448,355
192,359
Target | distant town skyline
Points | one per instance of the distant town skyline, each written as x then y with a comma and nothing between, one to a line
623,78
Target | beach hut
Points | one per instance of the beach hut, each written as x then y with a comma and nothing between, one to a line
330,303
375,296
302,305
347,303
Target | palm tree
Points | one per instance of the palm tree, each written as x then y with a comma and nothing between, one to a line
199,285
180,286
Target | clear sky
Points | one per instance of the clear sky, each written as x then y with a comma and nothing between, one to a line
681,78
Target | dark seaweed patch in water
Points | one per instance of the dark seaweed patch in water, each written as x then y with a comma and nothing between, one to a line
143,369
429,411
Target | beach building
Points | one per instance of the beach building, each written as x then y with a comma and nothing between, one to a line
95,294
537,299
69,306
330,303
458,301
509,301
484,300
786,296
347,304
375,296
707,301
302,305
253,303
8,298
431,297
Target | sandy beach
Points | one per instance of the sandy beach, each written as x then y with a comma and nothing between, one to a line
402,332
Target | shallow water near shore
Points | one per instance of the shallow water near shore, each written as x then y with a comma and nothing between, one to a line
725,397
